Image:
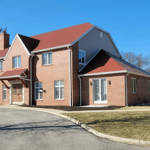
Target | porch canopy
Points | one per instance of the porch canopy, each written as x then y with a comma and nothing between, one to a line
14,74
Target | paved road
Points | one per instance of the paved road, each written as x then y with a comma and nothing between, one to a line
33,130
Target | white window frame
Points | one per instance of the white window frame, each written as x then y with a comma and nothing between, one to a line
37,88
17,62
84,57
4,89
59,90
47,58
99,101
1,65
134,92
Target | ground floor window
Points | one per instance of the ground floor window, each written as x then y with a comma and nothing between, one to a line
38,90
59,89
4,92
99,90
133,85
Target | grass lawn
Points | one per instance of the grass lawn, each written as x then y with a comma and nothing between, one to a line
134,125
134,107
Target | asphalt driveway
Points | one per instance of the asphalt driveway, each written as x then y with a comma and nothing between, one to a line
33,130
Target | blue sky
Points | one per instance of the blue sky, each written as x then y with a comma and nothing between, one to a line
128,21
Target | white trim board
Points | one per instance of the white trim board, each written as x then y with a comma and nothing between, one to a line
17,36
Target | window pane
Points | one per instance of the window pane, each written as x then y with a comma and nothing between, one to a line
61,83
83,57
4,92
135,85
49,58
38,94
19,61
132,85
79,57
44,58
96,90
61,92
56,83
56,92
103,90
1,65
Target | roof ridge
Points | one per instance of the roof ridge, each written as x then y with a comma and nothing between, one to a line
61,29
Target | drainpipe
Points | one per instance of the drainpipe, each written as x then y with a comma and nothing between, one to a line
70,101
80,91
32,55
126,89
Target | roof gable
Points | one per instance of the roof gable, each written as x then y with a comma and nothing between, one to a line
101,63
61,37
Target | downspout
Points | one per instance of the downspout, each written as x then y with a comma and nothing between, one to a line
80,91
126,88
70,101
32,55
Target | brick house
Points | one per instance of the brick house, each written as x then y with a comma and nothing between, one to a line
79,65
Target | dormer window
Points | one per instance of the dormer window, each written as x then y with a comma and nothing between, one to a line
1,65
82,59
17,62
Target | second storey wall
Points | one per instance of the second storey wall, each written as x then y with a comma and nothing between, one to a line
47,74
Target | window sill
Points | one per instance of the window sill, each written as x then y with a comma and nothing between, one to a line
59,99
39,99
133,93
16,68
81,64
47,65
100,102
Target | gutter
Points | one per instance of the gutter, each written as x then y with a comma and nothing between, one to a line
70,100
80,91
126,90
53,48
32,55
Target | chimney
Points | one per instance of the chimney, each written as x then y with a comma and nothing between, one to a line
4,40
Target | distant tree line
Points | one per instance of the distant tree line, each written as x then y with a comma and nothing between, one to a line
138,60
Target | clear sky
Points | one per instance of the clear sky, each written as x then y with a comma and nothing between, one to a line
128,21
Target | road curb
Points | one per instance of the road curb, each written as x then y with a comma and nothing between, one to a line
89,129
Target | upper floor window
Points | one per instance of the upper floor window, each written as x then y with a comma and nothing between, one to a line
1,65
82,59
47,58
149,86
17,62
133,85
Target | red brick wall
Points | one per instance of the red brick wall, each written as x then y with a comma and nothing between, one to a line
16,50
142,90
75,79
4,41
47,74
115,91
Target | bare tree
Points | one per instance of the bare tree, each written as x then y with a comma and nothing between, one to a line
137,60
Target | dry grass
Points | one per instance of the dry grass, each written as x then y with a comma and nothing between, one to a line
134,107
134,125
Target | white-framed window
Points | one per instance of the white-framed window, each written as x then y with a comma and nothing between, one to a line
4,92
17,62
101,34
133,85
149,86
38,90
100,90
82,58
59,89
47,58
1,65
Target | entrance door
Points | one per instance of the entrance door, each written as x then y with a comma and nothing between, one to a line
100,91
17,93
